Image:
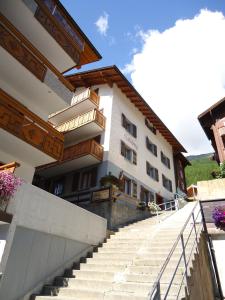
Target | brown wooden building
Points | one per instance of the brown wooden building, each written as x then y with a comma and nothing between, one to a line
213,123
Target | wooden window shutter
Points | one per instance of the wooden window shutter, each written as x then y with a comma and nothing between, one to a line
134,130
122,148
134,157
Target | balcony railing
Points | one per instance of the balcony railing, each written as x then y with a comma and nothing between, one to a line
54,19
21,122
14,42
89,147
87,94
91,116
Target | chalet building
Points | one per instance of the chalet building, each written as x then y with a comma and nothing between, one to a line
110,130
213,123
39,41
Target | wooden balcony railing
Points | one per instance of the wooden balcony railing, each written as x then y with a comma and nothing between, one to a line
21,122
88,117
51,16
87,94
21,49
84,148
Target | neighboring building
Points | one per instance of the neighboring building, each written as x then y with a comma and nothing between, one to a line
213,123
39,42
117,133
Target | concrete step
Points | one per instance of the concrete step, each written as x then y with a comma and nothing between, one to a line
110,262
98,267
125,276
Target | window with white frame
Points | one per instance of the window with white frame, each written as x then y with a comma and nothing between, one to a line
167,183
128,153
152,171
151,146
129,126
165,160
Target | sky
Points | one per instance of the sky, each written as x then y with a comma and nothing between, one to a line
172,51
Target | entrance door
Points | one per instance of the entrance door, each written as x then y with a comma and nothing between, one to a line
159,200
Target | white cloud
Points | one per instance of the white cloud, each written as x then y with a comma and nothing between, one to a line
103,24
181,72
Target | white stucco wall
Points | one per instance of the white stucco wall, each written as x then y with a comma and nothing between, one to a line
37,209
46,236
113,110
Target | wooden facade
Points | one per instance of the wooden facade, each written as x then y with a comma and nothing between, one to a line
24,124
29,56
81,120
213,123
56,20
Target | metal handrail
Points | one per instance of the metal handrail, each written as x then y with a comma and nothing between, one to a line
179,238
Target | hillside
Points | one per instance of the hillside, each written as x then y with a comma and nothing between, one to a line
201,168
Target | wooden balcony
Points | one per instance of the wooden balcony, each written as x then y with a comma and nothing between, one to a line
84,126
17,120
81,103
78,156
15,43
55,19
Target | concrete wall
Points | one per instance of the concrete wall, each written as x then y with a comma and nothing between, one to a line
218,241
200,282
211,189
47,235
118,213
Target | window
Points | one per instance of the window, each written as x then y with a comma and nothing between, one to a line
150,127
128,153
58,186
167,183
152,172
88,179
127,185
76,179
130,127
151,147
165,160
134,189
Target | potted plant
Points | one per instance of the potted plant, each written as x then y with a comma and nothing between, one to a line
219,216
8,186
153,207
109,180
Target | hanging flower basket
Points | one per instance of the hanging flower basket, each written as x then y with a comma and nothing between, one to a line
8,186
218,216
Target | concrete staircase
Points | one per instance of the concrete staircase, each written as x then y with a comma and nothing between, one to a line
127,264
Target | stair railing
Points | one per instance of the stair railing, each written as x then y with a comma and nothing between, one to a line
195,220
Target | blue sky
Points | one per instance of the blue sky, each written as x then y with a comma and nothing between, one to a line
172,51
126,18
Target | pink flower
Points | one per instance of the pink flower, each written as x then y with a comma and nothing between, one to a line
8,184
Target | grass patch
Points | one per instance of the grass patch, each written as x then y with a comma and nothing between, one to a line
201,168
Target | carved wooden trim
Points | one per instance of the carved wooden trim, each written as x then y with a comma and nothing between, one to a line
7,24
9,167
24,124
91,116
11,44
54,28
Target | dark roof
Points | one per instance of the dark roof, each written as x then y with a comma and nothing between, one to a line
110,75
209,116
